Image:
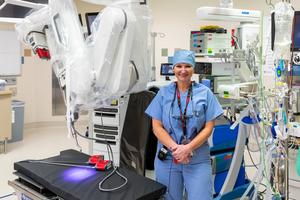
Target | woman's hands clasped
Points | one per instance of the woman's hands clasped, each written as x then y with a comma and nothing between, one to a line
182,153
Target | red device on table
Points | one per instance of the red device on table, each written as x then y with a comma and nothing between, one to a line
99,162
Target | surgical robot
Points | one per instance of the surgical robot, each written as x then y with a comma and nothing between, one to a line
111,62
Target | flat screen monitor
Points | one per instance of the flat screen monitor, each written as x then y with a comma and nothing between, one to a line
166,69
296,32
90,17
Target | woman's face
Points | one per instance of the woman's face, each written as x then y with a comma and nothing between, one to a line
183,72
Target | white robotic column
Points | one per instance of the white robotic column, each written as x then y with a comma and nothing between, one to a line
107,126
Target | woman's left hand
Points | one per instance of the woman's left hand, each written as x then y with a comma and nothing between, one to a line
182,153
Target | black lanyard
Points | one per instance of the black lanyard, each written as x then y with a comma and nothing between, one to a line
183,116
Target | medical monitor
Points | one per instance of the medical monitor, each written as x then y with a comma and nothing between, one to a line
90,17
166,69
296,32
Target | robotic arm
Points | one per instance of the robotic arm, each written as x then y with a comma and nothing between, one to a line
114,60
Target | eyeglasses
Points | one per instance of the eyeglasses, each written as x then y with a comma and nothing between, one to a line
176,114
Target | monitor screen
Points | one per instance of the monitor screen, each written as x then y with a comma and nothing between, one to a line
90,17
296,32
166,69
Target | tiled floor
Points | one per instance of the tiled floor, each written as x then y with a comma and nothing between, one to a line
48,140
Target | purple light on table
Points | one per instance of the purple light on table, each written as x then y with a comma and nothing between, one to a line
78,174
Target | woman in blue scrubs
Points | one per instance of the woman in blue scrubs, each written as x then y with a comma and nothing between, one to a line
183,115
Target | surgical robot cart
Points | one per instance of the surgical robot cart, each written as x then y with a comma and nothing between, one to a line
126,128
107,125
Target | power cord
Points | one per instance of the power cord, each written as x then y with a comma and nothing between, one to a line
110,155
260,193
254,164
59,163
172,129
74,134
115,169
177,141
7,195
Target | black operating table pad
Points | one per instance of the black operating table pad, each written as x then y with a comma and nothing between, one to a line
73,183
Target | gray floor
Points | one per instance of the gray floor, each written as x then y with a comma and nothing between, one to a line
48,140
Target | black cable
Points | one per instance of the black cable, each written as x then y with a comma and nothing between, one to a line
59,163
172,129
115,169
294,180
171,107
249,165
255,165
170,169
110,153
36,32
8,195
260,193
251,157
260,196
169,180
108,147
264,191
74,134
79,134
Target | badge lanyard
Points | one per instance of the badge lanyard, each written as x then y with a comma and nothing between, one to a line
183,115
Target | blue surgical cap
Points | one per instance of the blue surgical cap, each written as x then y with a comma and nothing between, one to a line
184,56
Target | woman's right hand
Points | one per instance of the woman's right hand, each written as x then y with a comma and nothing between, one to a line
186,161
181,153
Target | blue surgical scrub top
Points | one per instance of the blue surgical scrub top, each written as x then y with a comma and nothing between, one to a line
202,108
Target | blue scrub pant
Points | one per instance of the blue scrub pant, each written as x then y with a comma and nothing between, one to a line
195,178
